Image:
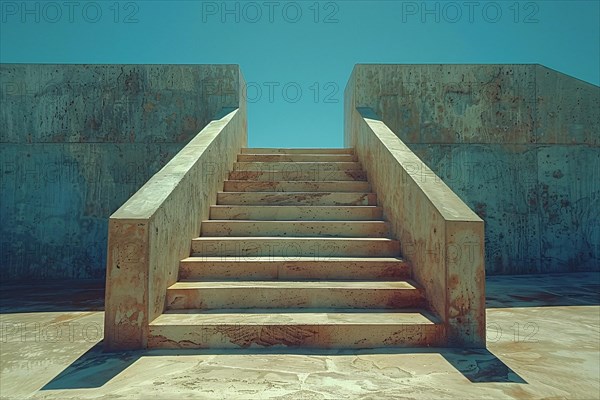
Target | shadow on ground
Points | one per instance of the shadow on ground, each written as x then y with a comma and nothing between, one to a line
95,368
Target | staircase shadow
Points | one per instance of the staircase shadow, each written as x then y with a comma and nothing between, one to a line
481,366
95,368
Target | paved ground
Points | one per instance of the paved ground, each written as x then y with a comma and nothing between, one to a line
543,343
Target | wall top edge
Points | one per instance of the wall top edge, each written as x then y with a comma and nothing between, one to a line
123,64
445,64
144,204
441,197
535,66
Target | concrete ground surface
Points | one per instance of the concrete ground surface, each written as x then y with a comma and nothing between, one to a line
543,336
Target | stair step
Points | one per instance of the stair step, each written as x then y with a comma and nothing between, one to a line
320,329
298,167
317,176
296,213
319,249
296,157
272,268
295,254
296,294
237,228
264,150
297,198
296,186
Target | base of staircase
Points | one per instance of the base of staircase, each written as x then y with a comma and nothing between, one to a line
288,328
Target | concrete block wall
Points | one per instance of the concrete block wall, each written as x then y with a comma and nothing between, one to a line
520,144
76,141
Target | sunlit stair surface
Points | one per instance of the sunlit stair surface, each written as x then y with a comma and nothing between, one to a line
296,254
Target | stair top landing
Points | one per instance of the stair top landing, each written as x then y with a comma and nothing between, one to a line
264,150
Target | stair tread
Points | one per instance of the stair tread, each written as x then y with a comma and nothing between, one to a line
290,207
297,198
297,150
296,193
311,222
321,284
288,316
292,238
353,175
297,162
297,166
296,157
269,259
278,238
252,181
280,228
287,171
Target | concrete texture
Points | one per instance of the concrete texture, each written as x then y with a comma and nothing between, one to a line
297,166
297,198
253,283
322,329
295,228
296,268
151,232
291,186
296,157
543,343
281,294
78,140
440,236
306,175
297,213
319,248
518,143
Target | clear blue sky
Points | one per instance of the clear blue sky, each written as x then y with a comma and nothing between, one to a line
306,45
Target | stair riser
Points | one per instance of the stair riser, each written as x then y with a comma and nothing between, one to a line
301,297
319,250
297,167
297,199
263,150
316,176
340,186
296,213
296,158
293,229
331,270
322,336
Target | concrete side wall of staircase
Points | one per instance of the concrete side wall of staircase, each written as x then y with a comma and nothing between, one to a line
441,237
518,143
151,232
76,141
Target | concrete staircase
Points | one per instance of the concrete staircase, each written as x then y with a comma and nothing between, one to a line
295,254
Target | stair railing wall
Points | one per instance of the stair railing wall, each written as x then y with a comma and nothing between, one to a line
439,234
152,231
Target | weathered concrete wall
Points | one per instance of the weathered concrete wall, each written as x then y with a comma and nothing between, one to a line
518,143
440,236
78,140
152,232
